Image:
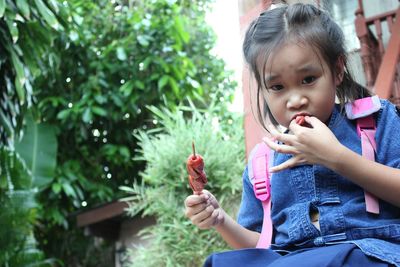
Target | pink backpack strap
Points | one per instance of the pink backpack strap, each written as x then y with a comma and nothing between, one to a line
363,110
260,158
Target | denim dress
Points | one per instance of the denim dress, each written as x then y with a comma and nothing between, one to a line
297,192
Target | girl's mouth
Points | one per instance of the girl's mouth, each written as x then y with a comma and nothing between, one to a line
300,120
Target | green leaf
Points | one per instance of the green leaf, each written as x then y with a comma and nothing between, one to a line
143,40
163,81
125,152
121,55
69,190
3,181
38,148
63,114
181,31
20,76
56,188
174,87
149,59
87,115
126,88
100,99
5,122
12,27
47,14
24,7
2,7
99,111
139,84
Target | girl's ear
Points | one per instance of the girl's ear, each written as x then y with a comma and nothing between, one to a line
339,71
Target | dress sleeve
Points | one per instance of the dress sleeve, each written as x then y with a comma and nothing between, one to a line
387,135
251,212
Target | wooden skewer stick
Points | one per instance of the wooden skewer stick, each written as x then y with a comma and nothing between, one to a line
194,150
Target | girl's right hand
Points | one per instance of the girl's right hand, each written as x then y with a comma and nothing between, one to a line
314,145
204,210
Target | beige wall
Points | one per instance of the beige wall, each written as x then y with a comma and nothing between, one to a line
246,5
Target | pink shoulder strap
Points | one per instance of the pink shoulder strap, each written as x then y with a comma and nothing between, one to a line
262,190
363,110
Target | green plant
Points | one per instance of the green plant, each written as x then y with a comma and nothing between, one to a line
17,213
113,59
174,240
27,29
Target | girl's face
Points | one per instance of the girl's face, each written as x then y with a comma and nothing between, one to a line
298,82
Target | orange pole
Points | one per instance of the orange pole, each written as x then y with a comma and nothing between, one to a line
387,70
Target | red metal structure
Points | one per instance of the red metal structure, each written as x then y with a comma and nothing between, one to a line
381,65
252,129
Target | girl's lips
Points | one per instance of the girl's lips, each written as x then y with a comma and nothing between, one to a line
300,114
300,120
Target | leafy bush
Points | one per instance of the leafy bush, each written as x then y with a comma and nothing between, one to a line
27,29
17,212
115,58
174,240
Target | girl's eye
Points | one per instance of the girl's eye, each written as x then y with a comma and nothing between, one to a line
277,87
308,80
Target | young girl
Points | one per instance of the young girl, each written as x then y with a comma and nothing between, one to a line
298,59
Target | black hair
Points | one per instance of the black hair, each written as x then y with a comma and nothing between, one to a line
301,23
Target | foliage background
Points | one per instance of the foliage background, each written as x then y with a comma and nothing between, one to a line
174,241
84,72
27,29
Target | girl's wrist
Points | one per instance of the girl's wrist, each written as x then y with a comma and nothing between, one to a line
220,220
338,155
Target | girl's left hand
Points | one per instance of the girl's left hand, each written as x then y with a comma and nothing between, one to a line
315,145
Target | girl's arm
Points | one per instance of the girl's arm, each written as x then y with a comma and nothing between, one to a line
204,212
381,180
318,145
236,235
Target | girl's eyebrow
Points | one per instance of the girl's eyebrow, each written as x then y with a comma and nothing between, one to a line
271,78
303,69
308,68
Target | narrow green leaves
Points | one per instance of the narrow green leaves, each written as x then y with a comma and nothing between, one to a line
23,6
47,14
20,77
2,7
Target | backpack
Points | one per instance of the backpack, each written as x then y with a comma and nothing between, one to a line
262,156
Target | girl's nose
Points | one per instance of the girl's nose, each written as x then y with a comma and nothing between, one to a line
296,101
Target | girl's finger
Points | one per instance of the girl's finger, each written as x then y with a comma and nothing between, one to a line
313,121
201,216
282,137
209,221
193,200
200,207
285,165
271,128
280,148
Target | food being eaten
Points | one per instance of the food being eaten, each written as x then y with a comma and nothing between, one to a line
197,176
300,120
